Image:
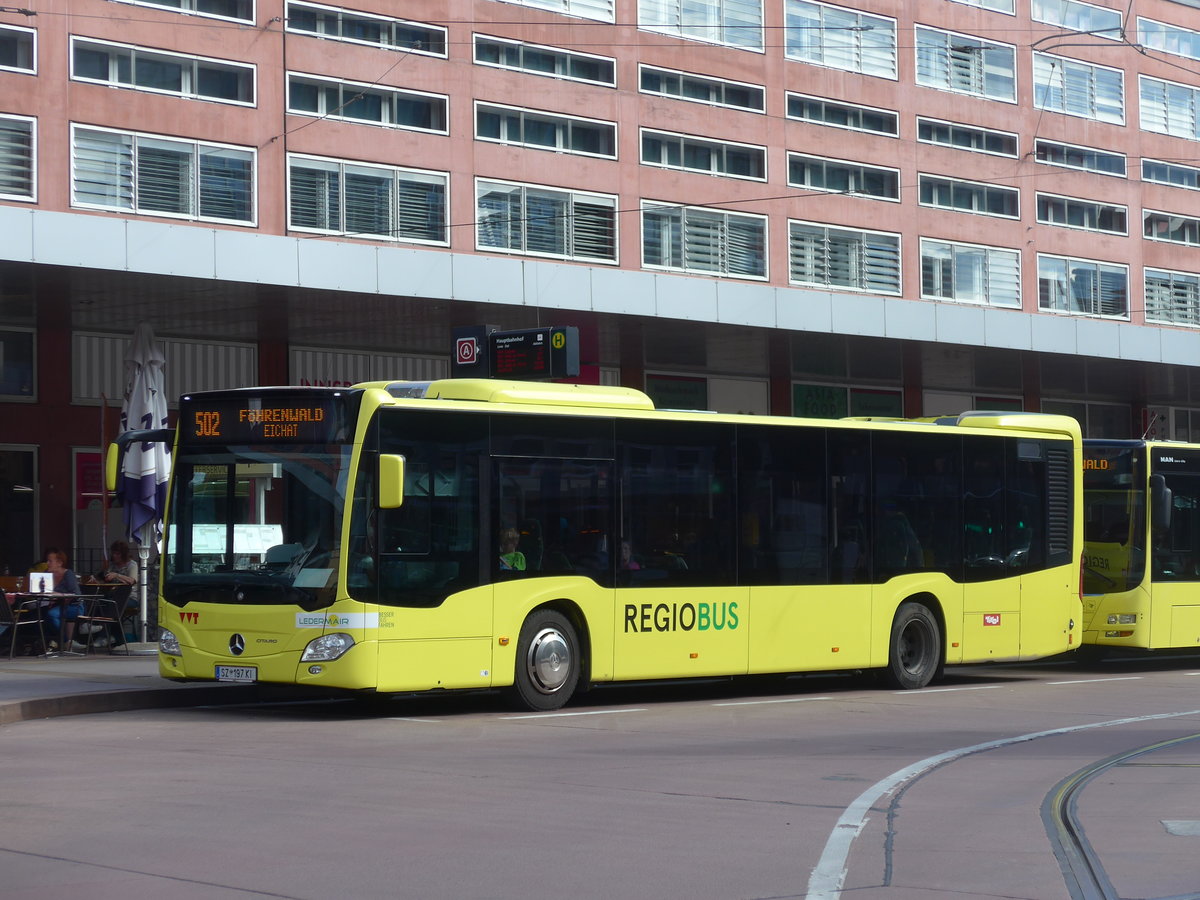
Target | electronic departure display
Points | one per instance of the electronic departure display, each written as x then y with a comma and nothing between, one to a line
307,417
535,353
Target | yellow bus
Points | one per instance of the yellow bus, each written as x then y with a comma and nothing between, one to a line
1141,544
545,538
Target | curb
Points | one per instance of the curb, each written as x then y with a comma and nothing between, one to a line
125,701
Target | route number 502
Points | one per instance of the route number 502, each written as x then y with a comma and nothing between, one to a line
208,424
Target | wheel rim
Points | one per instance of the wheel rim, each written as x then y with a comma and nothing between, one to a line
914,647
549,660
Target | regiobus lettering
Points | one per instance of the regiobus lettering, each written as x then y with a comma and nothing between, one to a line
680,616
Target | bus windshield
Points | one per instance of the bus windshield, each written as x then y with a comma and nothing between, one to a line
1114,518
256,525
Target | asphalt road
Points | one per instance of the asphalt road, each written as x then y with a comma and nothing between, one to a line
1045,782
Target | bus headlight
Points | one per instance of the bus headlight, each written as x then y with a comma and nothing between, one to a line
168,643
1123,619
327,647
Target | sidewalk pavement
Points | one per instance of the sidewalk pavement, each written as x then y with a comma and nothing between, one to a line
36,687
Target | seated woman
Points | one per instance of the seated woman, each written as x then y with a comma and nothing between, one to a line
65,582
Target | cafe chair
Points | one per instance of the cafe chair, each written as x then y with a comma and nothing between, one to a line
20,617
102,616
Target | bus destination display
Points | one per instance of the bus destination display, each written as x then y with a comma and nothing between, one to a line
263,419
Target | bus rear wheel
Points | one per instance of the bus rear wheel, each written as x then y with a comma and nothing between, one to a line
915,651
548,661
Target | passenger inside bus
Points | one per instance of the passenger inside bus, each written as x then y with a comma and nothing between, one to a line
511,559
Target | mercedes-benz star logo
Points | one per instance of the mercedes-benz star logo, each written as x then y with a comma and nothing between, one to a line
237,644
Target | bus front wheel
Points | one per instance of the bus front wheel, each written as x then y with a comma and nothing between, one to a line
547,661
915,652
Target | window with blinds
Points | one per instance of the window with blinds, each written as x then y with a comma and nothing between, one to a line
840,38
1078,16
368,201
966,64
1169,108
1083,286
970,273
842,258
170,73
17,155
1172,298
704,241
161,176
1078,89
735,23
540,221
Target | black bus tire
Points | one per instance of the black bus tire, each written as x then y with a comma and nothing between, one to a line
915,649
548,662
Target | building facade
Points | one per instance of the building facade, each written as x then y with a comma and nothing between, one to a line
785,206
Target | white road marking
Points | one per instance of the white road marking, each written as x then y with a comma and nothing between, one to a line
595,712
762,702
828,876
411,719
980,687
1098,680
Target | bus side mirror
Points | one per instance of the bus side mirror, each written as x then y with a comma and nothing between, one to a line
391,480
1160,502
112,466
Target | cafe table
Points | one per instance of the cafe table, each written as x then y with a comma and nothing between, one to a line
44,600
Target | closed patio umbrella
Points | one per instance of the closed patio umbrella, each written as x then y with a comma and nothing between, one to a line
142,481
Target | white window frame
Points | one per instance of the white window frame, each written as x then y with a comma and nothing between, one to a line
1080,69
818,54
1169,215
976,129
921,176
321,82
559,120
32,34
598,10
190,75
705,79
197,146
573,197
828,102
1098,206
726,215
1192,317
988,251
1171,165
383,20
678,18
1004,7
849,164
1062,165
397,172
1193,118
1044,11
31,197
974,50
1098,263
862,234
561,55
168,7
1168,31
718,148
